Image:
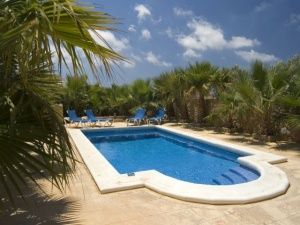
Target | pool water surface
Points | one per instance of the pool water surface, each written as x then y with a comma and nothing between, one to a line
140,149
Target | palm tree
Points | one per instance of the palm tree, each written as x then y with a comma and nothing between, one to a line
97,97
262,94
142,94
33,139
76,94
119,100
169,90
230,111
256,97
291,101
198,78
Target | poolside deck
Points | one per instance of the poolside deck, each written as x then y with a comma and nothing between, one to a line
85,204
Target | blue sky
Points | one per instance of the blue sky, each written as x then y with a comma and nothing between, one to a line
159,35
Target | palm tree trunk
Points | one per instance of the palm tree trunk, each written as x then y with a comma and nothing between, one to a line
202,104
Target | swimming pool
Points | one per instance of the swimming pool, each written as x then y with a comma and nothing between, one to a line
135,150
179,164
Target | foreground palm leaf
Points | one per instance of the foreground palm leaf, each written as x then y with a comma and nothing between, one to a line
56,25
33,139
32,136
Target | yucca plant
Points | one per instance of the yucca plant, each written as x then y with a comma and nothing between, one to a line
34,34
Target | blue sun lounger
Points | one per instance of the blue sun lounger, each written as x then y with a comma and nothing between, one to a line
158,117
96,120
74,119
138,117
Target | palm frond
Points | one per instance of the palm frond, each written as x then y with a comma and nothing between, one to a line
72,29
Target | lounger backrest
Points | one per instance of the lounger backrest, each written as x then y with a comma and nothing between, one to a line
72,114
160,113
90,114
140,113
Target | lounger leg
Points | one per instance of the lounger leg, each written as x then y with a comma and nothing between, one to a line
108,123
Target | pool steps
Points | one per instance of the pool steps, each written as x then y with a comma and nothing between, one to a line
235,175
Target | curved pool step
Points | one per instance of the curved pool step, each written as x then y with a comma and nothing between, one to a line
235,175
234,178
228,178
221,180
249,175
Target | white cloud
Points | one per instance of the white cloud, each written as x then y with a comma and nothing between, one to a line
170,32
156,21
131,28
191,54
146,34
252,55
181,12
242,42
156,60
205,36
262,6
135,57
107,38
128,65
142,11
295,19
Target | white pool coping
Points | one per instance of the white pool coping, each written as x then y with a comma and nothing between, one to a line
271,183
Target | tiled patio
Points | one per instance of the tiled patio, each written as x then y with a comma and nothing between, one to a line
85,204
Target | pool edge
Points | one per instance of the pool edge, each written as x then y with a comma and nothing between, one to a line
272,182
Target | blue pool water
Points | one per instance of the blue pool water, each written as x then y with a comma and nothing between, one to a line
139,149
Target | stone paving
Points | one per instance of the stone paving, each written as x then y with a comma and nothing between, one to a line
83,203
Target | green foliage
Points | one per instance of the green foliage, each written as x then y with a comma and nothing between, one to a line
32,134
169,89
33,139
291,101
76,94
118,100
261,100
198,79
